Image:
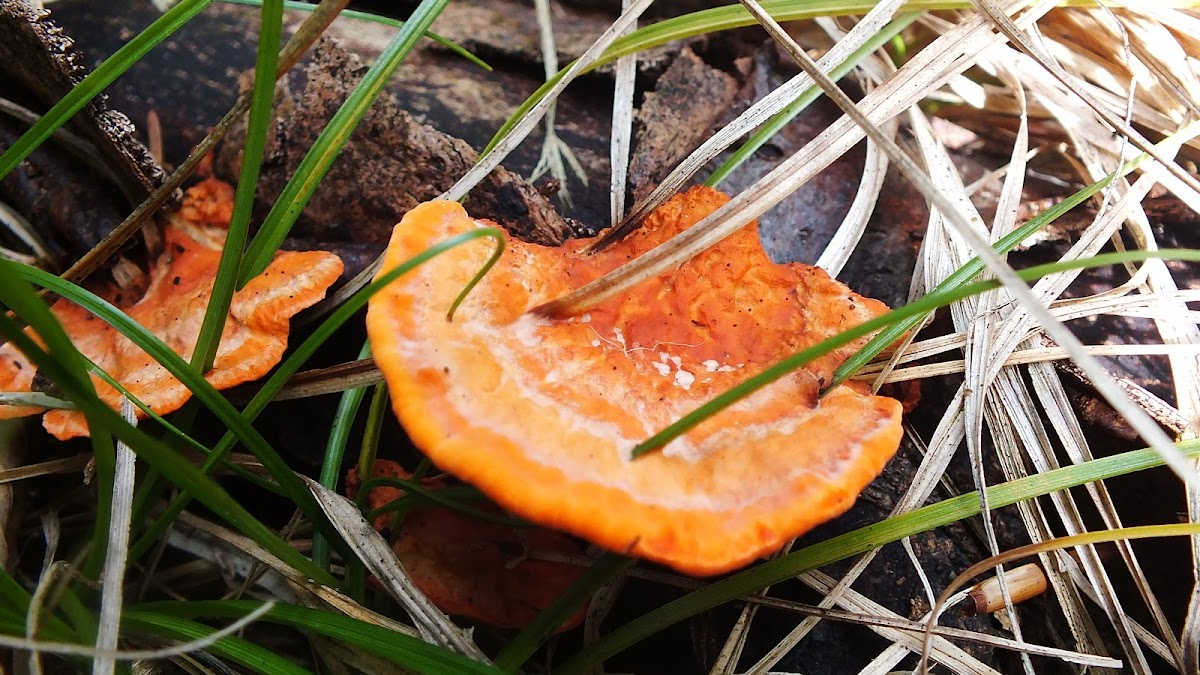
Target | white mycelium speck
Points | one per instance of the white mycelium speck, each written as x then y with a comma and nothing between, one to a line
662,368
711,365
526,330
684,379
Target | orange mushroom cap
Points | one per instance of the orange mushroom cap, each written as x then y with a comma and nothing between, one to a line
472,568
173,306
541,414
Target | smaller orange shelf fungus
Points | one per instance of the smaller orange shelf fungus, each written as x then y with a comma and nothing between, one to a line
179,285
541,414
468,567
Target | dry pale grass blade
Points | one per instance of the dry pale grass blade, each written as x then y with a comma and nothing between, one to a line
196,537
749,120
731,652
222,542
1049,390
112,577
76,649
944,652
1144,636
821,582
1156,276
1018,429
21,228
948,250
945,441
1024,357
1022,41
521,129
947,56
374,551
329,380
845,239
994,397
556,154
622,130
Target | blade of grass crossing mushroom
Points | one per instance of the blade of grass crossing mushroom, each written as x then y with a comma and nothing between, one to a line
916,308
62,369
497,151
309,346
375,552
859,541
96,81
112,579
305,35
946,56
325,149
261,106
776,109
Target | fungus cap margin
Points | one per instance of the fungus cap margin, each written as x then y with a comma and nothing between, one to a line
540,414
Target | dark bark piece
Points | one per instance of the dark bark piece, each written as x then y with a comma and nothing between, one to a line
676,117
71,208
390,164
39,64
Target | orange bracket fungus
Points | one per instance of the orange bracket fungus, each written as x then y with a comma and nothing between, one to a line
179,285
542,414
474,568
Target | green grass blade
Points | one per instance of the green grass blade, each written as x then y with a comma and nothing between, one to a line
403,650
859,541
15,600
310,345
916,308
243,652
603,570
329,143
261,102
375,18
63,365
335,451
203,391
780,119
18,297
96,81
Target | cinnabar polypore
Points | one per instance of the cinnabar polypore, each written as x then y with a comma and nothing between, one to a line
173,306
541,414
